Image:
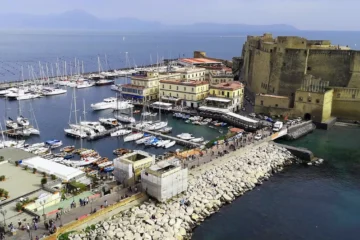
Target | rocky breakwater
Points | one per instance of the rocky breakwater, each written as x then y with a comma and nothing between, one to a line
210,187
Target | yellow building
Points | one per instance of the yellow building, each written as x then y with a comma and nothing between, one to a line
186,93
228,95
192,73
221,76
145,85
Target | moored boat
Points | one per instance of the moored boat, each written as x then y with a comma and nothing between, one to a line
53,143
121,151
120,132
170,144
133,137
185,136
111,122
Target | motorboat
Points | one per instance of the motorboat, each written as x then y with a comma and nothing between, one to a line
185,136
112,122
170,144
162,143
67,149
10,143
104,164
41,151
157,126
197,140
85,161
95,76
103,82
96,126
124,118
152,141
165,130
143,124
109,169
75,132
21,132
16,93
53,91
108,75
84,84
11,124
121,151
105,104
22,121
116,87
7,91
133,137
143,140
53,143
84,129
120,132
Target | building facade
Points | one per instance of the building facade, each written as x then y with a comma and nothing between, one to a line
185,93
192,73
145,85
221,76
232,92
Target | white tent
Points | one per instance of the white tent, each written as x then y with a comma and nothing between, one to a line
61,171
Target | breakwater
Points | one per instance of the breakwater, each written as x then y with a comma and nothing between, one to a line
300,130
210,187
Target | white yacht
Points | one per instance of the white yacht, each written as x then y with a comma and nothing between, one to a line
103,82
116,87
85,84
84,129
22,121
170,144
33,131
7,91
157,126
112,122
162,143
16,93
124,118
23,132
74,132
53,91
27,96
120,132
122,105
105,104
96,126
133,137
11,124
196,140
53,143
185,136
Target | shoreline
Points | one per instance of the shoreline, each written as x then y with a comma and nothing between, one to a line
211,186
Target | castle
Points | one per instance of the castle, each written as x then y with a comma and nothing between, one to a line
279,66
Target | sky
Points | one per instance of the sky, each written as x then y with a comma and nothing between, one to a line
303,14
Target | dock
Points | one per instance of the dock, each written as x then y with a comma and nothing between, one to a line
179,141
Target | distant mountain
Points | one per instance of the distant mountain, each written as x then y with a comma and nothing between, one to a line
81,20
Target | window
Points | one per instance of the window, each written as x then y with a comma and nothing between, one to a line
177,87
193,89
262,103
317,100
309,99
276,105
163,86
300,99
169,86
184,88
222,93
309,68
353,96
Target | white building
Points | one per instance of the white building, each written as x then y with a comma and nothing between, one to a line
127,168
164,180
192,73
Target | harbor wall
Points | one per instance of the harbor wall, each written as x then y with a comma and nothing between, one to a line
302,153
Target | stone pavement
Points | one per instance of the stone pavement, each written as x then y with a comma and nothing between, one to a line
68,217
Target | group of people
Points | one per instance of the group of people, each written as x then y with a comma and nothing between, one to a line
50,226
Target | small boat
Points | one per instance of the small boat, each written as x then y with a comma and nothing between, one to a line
187,121
84,84
170,144
33,131
196,140
121,151
124,118
143,140
22,121
112,122
103,82
133,137
165,130
67,149
143,124
101,161
185,136
107,103
11,124
68,156
27,96
76,132
53,91
104,164
108,169
53,143
203,123
157,126
162,143
120,132
151,141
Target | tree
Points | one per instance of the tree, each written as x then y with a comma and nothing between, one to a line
34,170
2,178
1,192
19,206
16,163
44,174
53,177
43,181
2,158
6,194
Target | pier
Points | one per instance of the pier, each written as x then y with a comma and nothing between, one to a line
179,141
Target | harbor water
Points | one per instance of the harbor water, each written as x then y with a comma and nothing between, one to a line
318,202
53,115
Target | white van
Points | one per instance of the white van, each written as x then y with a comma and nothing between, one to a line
278,126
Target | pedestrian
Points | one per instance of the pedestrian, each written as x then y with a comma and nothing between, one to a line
35,226
19,222
28,227
36,238
106,203
57,216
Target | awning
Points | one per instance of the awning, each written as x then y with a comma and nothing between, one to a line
217,99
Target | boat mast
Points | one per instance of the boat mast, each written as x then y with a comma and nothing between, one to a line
75,114
84,112
99,63
81,143
33,114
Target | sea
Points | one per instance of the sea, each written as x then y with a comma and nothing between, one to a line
302,202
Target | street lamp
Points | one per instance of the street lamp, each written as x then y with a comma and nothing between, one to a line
3,212
42,203
118,191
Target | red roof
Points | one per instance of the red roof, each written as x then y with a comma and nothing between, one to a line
199,61
234,85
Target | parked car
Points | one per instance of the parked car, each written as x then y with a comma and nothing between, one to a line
252,115
258,137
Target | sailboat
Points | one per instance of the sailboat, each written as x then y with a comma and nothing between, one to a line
123,117
73,131
158,125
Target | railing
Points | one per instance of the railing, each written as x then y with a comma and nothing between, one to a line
82,220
